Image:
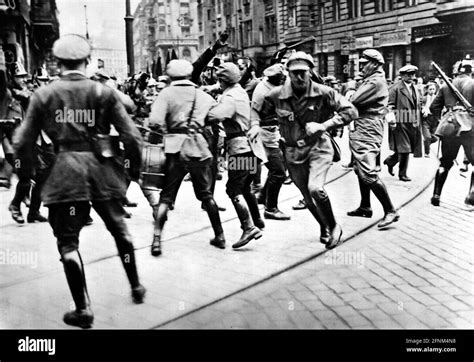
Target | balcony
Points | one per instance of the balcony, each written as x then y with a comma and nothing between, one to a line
449,8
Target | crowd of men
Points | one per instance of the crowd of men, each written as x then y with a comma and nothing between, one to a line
198,115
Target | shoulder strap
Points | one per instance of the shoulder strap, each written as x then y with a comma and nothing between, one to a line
193,106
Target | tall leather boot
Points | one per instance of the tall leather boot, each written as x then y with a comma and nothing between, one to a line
325,233
73,268
214,217
364,210
250,231
127,255
161,212
254,210
335,230
380,191
440,179
403,167
470,197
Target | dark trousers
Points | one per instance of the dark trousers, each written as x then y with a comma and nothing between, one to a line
428,128
401,158
35,202
68,219
450,148
22,190
276,177
241,172
176,170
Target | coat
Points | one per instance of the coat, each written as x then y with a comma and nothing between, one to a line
70,111
407,135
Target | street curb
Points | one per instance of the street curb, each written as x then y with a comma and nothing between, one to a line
297,264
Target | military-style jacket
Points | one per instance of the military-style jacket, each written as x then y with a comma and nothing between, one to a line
318,104
371,100
446,98
233,110
70,111
270,133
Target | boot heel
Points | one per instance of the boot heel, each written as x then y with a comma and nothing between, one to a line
258,235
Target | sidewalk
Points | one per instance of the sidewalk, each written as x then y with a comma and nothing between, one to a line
190,274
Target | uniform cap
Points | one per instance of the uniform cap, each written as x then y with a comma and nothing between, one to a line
164,79
20,70
179,68
228,72
42,74
409,68
152,82
72,47
330,79
275,69
300,61
372,54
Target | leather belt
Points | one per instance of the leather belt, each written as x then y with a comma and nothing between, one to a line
75,147
307,141
185,130
235,135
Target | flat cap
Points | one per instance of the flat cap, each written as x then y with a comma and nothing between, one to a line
164,79
409,68
372,54
72,47
228,72
20,70
300,61
179,68
275,69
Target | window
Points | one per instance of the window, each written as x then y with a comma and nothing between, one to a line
336,10
313,15
322,12
184,8
247,30
209,14
384,5
411,2
268,4
291,13
270,29
355,8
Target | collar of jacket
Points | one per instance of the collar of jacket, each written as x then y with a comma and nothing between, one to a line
182,82
73,75
314,90
379,73
233,86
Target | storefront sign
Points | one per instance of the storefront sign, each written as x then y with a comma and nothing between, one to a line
398,37
364,42
431,30
327,47
345,49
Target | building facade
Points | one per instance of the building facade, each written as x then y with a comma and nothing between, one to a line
28,30
164,29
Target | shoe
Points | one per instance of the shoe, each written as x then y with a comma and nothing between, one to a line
129,203
247,236
218,241
138,294
219,176
464,169
405,178
156,245
82,318
435,200
325,235
187,178
335,237
89,221
388,219
287,181
361,212
16,214
275,214
427,155
390,168
127,214
31,218
300,205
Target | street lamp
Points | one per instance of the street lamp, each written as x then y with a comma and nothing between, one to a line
129,38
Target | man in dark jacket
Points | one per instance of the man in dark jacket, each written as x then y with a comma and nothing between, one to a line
73,111
305,111
405,133
450,146
371,100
